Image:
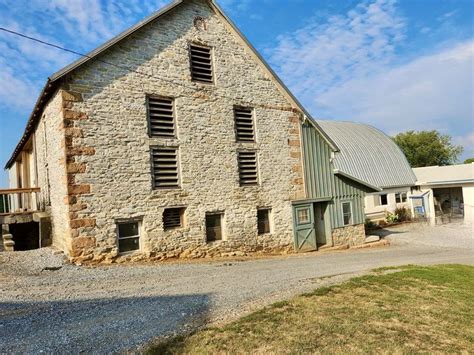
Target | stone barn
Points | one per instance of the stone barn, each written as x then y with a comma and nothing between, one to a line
176,139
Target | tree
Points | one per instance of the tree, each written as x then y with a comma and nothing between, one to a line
469,161
428,148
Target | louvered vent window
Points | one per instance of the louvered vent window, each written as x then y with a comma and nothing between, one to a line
244,127
165,167
173,218
201,64
248,170
161,117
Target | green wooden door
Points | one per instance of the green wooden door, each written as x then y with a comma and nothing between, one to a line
305,231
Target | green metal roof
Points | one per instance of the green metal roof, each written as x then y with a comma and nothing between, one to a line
368,154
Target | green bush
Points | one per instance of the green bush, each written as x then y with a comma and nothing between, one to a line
392,218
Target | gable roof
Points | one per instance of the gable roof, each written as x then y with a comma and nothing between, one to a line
436,175
368,154
52,82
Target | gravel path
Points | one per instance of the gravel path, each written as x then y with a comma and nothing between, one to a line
53,308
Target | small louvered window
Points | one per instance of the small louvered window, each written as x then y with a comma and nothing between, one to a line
165,167
161,117
173,218
201,64
248,170
244,127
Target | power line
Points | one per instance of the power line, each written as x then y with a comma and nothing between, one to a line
89,57
43,42
108,63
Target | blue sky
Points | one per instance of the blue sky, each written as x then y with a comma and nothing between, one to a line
397,65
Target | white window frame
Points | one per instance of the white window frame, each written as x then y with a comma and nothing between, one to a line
380,200
139,223
351,222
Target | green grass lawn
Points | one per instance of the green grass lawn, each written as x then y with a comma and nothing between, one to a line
417,309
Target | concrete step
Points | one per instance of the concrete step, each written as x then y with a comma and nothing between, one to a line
372,239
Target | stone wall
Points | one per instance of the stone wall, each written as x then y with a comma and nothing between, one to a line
108,148
51,164
350,235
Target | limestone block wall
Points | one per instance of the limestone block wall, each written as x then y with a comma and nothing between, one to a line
350,235
51,164
108,148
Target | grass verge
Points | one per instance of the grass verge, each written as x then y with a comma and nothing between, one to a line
416,309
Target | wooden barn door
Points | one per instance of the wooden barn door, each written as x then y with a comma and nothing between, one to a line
305,231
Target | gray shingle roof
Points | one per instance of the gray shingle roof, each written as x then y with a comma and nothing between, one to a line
368,154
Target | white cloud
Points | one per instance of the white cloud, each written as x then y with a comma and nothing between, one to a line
15,90
95,20
467,141
431,92
347,68
320,55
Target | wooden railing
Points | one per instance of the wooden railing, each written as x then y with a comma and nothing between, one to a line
19,200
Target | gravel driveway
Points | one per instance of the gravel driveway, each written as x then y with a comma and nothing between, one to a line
53,308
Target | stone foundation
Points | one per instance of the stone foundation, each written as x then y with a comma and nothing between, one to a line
218,249
350,235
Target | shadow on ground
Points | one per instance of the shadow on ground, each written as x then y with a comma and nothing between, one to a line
382,233
97,326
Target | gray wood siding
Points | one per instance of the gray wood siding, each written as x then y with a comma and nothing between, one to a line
321,182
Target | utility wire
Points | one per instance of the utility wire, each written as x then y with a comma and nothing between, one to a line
43,42
107,63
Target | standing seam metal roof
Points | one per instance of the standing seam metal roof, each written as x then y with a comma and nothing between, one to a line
368,154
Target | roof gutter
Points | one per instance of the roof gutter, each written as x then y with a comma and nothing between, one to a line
447,182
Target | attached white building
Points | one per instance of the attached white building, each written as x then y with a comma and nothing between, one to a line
368,154
445,193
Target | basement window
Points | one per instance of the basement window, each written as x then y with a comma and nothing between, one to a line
165,167
244,124
263,221
347,213
214,227
201,64
173,218
128,236
161,118
248,168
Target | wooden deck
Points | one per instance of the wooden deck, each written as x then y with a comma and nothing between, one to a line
21,200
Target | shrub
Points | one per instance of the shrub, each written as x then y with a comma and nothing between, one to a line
403,214
369,224
392,218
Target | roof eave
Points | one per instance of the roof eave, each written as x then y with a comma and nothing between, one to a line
447,182
89,56
31,123
37,109
364,183
277,78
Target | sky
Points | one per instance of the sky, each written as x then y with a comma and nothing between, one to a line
397,65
